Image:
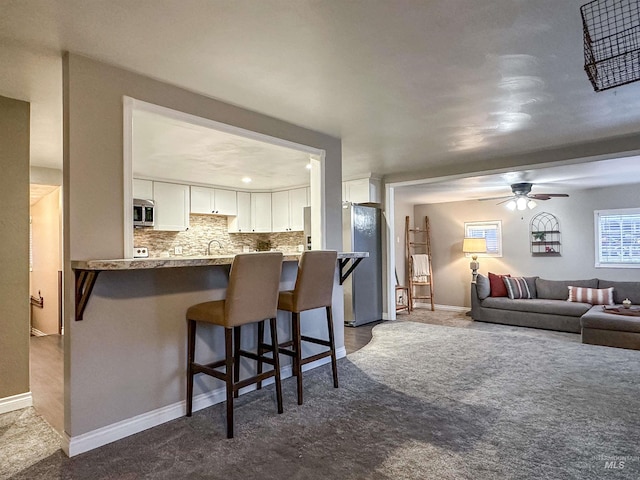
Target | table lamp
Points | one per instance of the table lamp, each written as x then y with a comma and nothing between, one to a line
474,246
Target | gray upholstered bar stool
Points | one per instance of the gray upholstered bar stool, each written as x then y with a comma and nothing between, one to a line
252,296
313,289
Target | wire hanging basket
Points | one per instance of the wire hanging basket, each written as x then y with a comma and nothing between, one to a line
611,32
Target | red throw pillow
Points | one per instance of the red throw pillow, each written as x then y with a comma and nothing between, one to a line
498,288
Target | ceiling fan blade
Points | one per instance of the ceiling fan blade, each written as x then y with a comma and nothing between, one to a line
546,196
503,201
496,198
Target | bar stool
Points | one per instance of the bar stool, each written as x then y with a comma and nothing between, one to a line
252,297
313,289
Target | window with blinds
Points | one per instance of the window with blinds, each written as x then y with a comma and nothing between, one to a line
617,238
491,230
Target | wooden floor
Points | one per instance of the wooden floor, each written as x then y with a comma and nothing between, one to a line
47,378
357,337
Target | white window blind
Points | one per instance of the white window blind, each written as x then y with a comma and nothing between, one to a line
491,230
617,238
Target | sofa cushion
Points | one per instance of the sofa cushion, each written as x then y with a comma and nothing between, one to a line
597,318
483,287
594,296
517,288
537,305
622,290
559,289
498,288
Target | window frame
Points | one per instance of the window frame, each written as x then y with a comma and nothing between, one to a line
494,225
597,227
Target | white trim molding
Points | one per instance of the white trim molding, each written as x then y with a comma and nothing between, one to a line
16,402
78,444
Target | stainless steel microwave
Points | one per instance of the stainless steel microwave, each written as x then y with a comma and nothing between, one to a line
143,213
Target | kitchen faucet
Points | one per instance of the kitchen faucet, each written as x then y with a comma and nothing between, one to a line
209,246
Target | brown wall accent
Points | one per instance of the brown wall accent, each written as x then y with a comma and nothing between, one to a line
14,255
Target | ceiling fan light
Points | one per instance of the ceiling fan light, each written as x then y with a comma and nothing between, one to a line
521,203
532,204
511,205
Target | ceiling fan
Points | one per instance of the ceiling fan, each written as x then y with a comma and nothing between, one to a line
522,197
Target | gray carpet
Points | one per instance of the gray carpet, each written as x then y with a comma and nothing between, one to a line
419,402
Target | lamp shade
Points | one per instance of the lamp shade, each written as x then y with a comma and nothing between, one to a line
474,245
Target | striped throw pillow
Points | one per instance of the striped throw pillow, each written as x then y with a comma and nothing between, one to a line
517,288
594,296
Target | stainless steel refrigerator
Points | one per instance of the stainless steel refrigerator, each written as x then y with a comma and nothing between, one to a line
362,232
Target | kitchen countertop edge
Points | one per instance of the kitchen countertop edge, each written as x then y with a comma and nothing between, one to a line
176,262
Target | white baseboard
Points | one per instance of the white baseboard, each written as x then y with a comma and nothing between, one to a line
37,333
96,438
16,402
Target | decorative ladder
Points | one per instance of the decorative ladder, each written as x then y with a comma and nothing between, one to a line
418,241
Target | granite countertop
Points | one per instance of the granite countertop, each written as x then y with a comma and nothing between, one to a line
175,262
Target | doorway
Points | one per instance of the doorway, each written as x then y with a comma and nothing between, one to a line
46,351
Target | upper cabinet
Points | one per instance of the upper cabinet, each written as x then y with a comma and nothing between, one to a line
362,190
261,212
171,206
287,210
142,189
241,223
213,201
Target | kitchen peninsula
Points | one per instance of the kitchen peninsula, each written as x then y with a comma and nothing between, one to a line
138,311
86,271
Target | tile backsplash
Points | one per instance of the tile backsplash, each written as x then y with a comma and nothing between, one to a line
203,229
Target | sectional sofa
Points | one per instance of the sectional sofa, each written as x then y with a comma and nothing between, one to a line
549,308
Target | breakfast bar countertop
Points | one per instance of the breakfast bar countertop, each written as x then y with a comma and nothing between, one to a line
175,262
86,271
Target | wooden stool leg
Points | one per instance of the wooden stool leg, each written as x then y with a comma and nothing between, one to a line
334,364
260,351
191,352
236,358
297,350
276,362
229,366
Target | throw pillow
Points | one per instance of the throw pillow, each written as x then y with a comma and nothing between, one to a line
517,287
483,287
498,288
594,296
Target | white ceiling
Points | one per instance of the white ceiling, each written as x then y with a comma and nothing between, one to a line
407,84
549,179
178,150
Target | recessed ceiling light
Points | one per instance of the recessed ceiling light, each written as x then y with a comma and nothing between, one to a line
246,180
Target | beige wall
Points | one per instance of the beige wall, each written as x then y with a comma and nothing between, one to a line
128,356
14,255
451,271
47,261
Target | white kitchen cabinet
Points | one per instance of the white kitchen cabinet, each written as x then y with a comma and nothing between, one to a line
298,199
142,189
287,210
261,212
172,206
225,202
242,221
213,200
362,190
280,211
